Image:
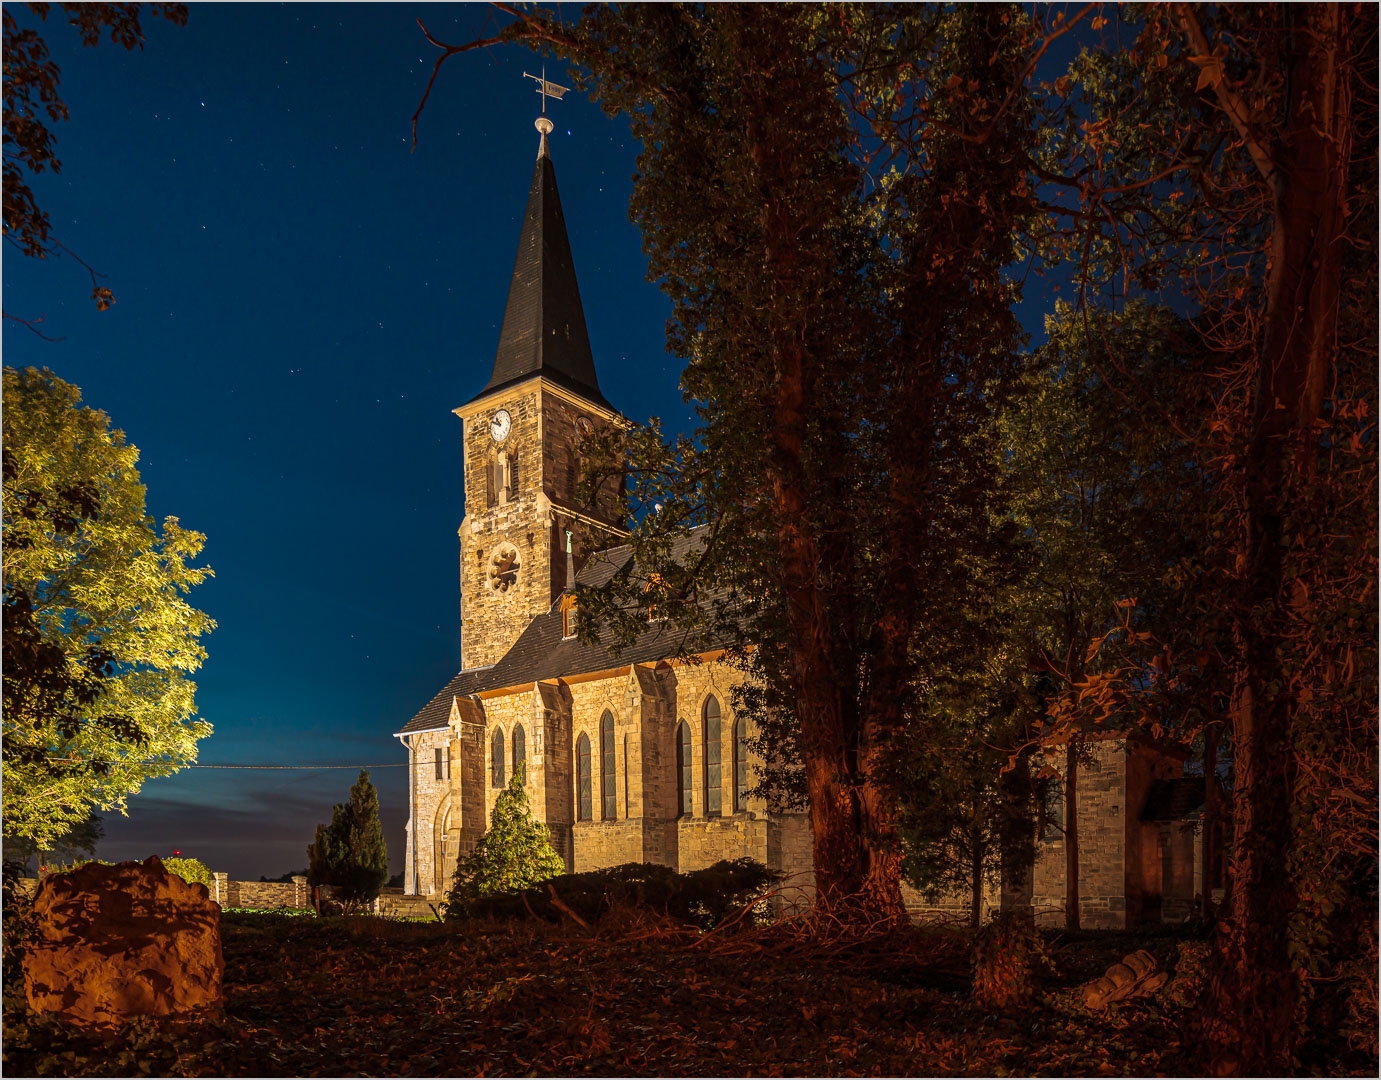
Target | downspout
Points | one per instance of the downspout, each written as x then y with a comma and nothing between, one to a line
410,856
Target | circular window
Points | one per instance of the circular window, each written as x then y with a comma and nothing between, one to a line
503,568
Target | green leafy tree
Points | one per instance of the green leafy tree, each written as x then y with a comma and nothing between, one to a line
350,854
99,640
513,854
78,841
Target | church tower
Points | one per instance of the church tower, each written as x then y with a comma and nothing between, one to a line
524,530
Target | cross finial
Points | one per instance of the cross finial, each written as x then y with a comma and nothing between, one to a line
546,89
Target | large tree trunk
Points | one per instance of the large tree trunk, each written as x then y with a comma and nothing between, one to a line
1072,836
1208,861
853,817
1254,984
976,849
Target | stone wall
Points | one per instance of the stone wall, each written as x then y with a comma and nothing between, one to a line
263,895
435,826
953,907
790,849
395,904
1102,802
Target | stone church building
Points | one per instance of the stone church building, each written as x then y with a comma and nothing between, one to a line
639,757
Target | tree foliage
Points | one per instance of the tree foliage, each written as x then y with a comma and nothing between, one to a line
1228,153
514,853
349,854
99,640
189,870
33,104
846,328
838,201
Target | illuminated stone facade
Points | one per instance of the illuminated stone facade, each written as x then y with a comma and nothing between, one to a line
619,752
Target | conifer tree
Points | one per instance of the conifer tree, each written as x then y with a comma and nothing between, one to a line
515,853
350,853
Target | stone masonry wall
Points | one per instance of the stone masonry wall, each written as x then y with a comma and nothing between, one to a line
602,841
264,895
1102,799
789,849
492,620
652,761
432,818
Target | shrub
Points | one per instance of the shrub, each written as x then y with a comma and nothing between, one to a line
190,871
1008,959
516,852
703,898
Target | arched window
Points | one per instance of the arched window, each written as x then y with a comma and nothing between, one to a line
582,778
714,779
627,768
497,753
520,753
740,765
683,768
606,767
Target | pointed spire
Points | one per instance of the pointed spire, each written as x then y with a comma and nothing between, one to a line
544,323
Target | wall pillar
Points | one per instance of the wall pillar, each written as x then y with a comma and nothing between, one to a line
220,891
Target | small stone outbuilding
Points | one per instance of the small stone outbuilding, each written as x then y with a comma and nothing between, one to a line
1140,838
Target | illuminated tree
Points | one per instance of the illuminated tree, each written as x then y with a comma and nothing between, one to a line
99,640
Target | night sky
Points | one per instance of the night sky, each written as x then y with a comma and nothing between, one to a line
300,304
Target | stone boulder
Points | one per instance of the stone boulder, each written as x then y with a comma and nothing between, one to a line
112,942
1138,975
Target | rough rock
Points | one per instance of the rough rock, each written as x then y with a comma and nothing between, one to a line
1138,975
112,942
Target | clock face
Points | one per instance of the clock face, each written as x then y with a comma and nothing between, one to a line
500,425
584,426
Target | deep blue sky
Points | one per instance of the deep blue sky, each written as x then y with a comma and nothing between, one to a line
300,304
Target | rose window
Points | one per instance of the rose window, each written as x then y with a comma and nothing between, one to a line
503,568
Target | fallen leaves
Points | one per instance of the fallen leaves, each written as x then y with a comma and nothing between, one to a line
356,997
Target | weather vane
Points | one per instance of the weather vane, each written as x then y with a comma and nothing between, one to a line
546,89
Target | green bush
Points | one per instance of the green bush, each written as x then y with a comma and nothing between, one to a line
516,852
190,871
703,898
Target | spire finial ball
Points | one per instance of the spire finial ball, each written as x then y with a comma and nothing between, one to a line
543,125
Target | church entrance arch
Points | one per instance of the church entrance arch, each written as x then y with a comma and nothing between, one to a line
445,842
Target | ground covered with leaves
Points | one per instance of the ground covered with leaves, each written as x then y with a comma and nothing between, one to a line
365,996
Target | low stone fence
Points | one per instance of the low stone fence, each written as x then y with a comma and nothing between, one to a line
268,895
261,894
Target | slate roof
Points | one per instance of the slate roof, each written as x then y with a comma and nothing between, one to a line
542,653
544,322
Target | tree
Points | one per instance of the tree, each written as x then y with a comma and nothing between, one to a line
1102,491
79,841
32,103
1229,153
845,327
350,854
515,853
99,640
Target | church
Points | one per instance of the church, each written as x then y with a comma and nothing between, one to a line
638,756
634,757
